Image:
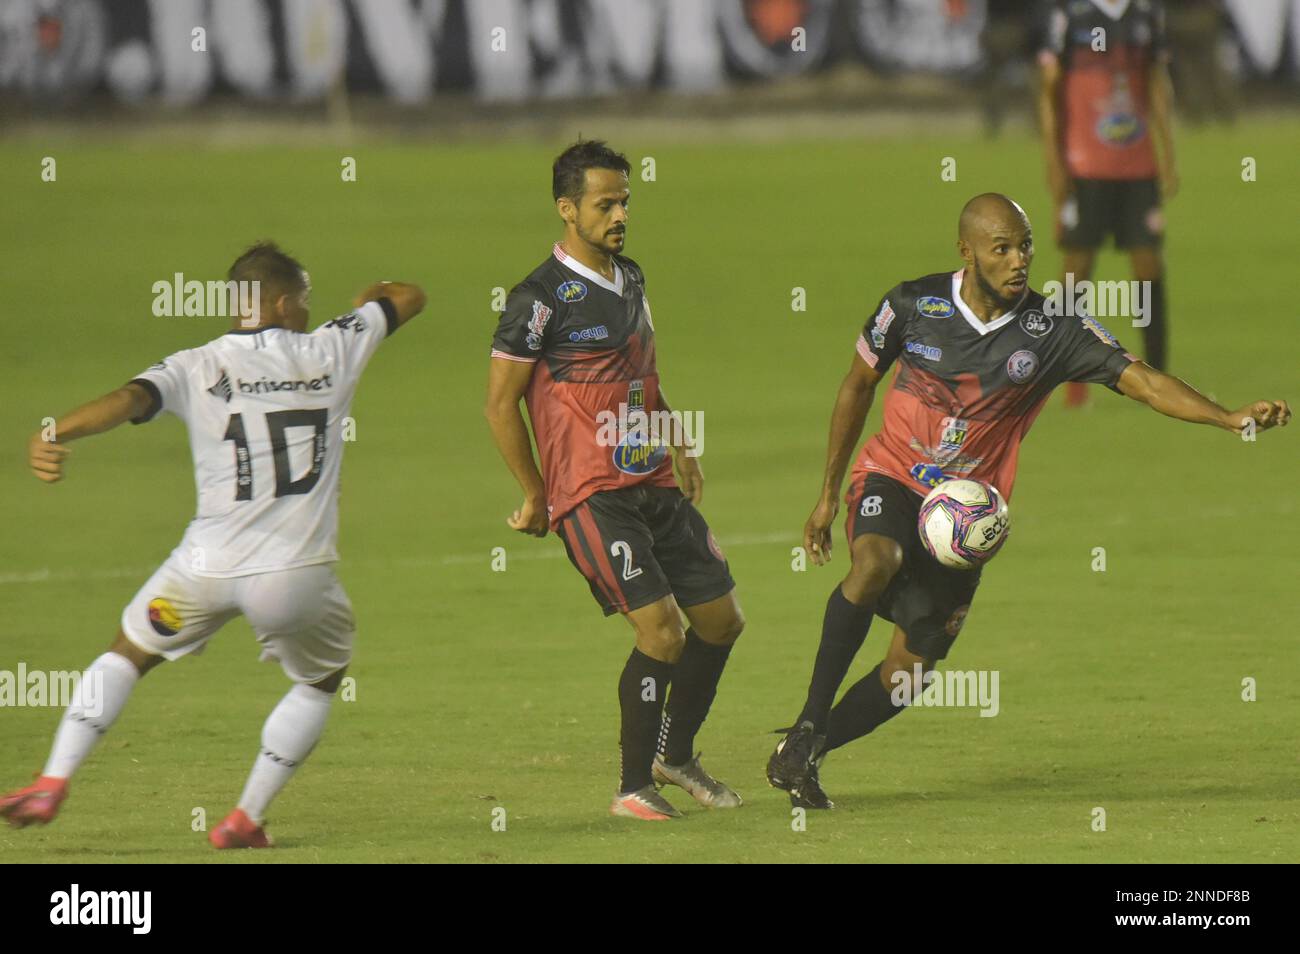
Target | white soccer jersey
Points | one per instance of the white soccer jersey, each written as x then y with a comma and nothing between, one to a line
264,410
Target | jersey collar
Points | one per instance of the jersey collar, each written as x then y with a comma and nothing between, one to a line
969,315
568,261
1114,9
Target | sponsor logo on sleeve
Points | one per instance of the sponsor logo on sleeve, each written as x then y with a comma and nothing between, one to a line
344,322
1096,327
537,325
1035,323
931,306
1022,366
571,291
883,320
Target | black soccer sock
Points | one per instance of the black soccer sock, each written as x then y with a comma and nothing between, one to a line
866,705
641,691
695,683
844,627
1155,336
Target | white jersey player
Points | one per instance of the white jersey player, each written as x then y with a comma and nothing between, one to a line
265,407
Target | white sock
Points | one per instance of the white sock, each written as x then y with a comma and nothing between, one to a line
290,733
98,700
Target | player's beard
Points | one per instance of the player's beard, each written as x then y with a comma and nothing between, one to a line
601,240
993,294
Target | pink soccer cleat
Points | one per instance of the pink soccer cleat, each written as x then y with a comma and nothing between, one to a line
36,804
646,804
238,831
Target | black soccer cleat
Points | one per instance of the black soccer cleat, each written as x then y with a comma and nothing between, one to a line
809,792
795,757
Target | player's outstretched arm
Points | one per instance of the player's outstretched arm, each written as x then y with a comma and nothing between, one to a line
857,391
408,300
1176,398
507,381
46,450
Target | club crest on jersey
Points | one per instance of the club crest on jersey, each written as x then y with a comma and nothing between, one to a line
536,325
571,291
1120,124
952,437
1022,366
1096,327
931,306
1035,323
163,617
883,320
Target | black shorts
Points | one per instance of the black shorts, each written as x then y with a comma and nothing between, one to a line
928,600
1127,208
636,545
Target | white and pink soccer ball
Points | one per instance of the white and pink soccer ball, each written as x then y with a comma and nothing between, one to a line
963,523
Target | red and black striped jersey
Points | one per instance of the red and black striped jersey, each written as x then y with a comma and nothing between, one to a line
592,343
965,393
1106,49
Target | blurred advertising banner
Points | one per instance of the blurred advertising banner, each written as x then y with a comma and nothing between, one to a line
180,52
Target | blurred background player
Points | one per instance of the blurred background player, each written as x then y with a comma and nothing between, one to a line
1007,42
978,358
1104,104
577,342
1196,29
264,406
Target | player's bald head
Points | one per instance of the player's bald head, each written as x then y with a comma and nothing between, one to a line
989,213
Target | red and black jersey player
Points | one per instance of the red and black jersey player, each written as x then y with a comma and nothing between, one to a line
975,356
1105,105
576,342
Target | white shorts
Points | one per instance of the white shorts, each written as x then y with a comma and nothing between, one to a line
301,616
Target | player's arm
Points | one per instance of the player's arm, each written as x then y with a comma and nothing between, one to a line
407,300
45,456
852,404
507,381
1049,120
689,476
1162,106
1176,398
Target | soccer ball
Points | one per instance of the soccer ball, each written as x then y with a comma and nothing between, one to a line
963,523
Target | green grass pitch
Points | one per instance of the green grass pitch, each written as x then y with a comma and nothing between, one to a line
479,690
